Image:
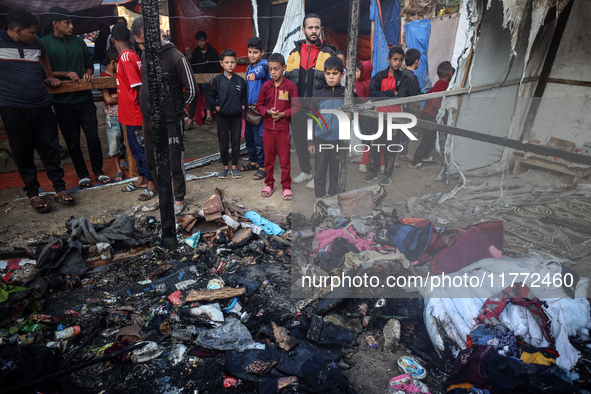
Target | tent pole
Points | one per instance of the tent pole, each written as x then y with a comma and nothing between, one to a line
158,118
373,26
349,87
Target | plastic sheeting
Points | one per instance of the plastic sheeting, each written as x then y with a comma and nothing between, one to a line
391,21
418,34
450,316
291,29
380,45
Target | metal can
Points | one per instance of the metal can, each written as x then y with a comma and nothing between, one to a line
68,333
28,339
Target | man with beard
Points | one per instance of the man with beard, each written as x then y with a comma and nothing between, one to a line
305,68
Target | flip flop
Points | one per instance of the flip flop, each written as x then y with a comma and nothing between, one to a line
62,198
287,195
129,187
267,191
84,182
118,177
103,179
147,194
39,205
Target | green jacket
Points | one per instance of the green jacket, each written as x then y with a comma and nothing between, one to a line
69,54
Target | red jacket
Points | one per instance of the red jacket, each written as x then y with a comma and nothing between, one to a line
283,98
432,106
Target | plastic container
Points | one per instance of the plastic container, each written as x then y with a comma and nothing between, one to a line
215,283
411,366
67,333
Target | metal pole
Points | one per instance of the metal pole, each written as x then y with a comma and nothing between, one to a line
158,117
349,87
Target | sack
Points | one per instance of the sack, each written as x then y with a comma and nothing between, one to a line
253,116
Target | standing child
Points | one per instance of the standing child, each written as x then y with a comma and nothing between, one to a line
326,160
113,130
444,71
277,98
409,87
228,96
257,74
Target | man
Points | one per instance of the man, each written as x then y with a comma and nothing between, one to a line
25,108
70,59
305,68
182,89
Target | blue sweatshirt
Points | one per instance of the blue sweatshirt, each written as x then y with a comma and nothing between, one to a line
261,73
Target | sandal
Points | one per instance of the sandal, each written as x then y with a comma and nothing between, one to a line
189,126
103,179
287,194
63,197
154,205
118,177
260,174
129,187
404,157
146,195
249,167
39,205
267,191
84,182
208,120
178,209
419,166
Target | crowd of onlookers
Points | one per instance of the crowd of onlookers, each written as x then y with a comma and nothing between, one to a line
268,99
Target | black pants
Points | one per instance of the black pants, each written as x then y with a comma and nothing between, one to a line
427,142
203,87
326,169
71,117
300,140
175,152
389,156
30,129
229,125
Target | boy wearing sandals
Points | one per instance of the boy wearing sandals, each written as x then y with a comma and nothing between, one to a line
25,107
277,102
229,97
257,74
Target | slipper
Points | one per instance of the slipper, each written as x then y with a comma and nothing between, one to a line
63,197
189,126
429,159
129,187
267,191
146,195
118,177
260,174
287,194
103,179
178,209
248,167
419,166
39,205
84,182
404,157
154,205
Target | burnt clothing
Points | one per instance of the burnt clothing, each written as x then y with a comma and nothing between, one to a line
205,62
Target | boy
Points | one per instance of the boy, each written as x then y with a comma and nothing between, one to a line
129,83
229,97
444,71
112,114
70,59
257,74
410,87
204,59
385,84
25,107
331,96
277,98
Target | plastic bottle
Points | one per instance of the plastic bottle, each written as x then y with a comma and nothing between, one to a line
67,333
303,234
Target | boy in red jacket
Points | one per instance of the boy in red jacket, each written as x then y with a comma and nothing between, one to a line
277,98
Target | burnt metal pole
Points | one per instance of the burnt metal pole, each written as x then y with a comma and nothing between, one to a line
349,87
158,118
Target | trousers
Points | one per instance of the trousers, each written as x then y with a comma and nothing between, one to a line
276,143
229,133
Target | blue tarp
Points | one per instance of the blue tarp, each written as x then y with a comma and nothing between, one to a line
417,36
380,45
391,21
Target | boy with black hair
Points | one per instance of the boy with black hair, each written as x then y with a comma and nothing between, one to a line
385,84
257,73
277,102
228,96
409,87
445,71
204,60
25,107
70,59
326,160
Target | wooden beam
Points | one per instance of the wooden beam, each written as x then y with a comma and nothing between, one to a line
571,82
216,294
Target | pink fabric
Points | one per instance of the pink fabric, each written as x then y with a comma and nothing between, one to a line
326,237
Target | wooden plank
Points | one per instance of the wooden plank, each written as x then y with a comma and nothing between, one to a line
571,82
550,165
212,295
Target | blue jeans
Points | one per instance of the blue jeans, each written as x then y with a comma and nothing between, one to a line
254,143
135,137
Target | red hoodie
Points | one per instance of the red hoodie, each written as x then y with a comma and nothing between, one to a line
283,98
362,85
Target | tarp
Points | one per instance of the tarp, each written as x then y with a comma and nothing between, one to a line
418,34
41,6
380,45
391,21
291,29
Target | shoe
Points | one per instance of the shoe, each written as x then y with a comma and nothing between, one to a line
362,168
178,209
310,185
223,174
386,181
302,177
154,205
370,177
382,169
236,174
